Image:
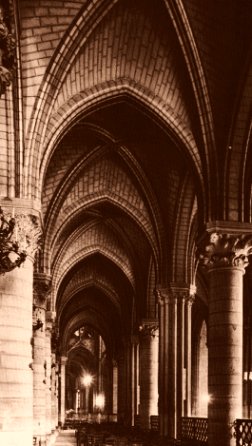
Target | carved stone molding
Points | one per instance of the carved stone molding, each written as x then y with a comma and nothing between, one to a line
174,294
179,292
7,49
223,250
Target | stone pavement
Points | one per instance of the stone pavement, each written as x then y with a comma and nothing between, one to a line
65,438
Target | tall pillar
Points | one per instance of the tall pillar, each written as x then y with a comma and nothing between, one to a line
226,259
41,285
54,419
55,377
168,362
188,351
135,377
181,392
122,386
129,394
180,324
16,381
149,335
115,387
163,299
63,361
172,371
50,316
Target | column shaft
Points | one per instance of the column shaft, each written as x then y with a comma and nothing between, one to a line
16,383
188,357
163,363
62,390
148,374
115,388
172,372
180,362
48,363
39,386
225,353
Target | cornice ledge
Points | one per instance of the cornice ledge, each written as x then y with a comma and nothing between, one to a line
229,227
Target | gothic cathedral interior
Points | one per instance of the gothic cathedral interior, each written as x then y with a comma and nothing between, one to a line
125,219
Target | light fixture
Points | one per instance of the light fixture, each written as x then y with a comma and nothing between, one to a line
206,398
10,254
87,379
100,401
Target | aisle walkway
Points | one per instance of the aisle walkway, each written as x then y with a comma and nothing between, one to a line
65,438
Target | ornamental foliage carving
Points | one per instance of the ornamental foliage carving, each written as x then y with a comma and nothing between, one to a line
7,48
28,233
227,250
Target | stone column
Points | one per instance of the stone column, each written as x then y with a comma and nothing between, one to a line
63,361
55,376
41,286
115,387
172,361
226,259
181,392
122,387
50,316
54,393
180,324
128,382
16,381
163,299
149,335
188,351
135,377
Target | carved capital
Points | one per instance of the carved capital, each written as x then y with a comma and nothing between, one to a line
162,295
27,233
149,328
179,292
38,318
226,250
41,288
63,360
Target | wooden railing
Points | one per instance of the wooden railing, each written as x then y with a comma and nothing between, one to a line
194,431
243,432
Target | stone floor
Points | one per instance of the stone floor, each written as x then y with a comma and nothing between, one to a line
65,438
